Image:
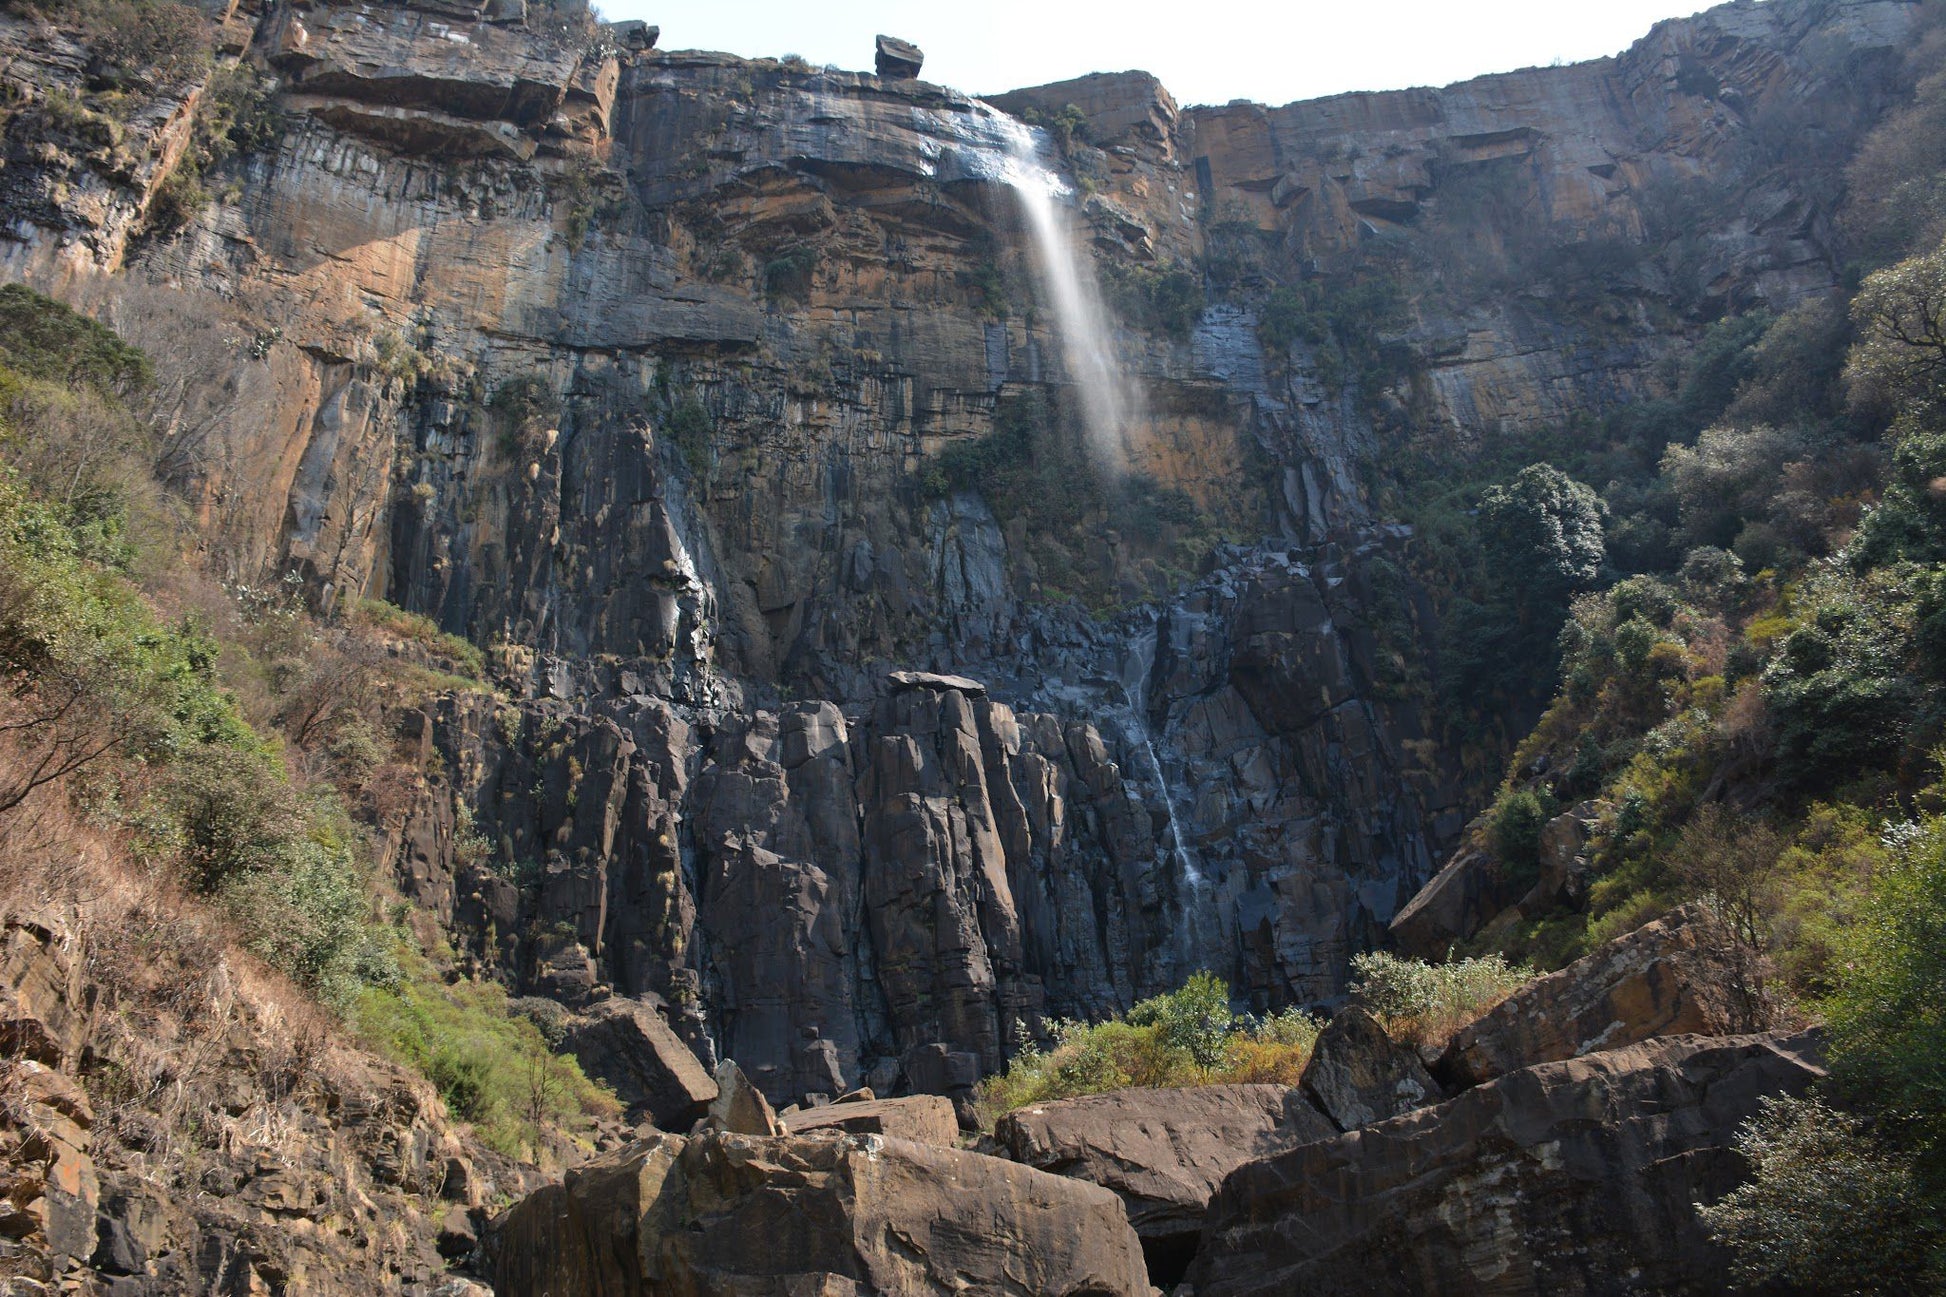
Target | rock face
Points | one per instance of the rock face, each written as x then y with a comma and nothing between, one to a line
43,1000
1163,1152
1575,1176
920,1118
115,1196
1671,977
828,1213
1358,1074
666,431
628,1046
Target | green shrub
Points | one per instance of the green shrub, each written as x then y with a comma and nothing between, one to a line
45,339
693,432
1514,827
1827,1209
1428,1002
460,656
493,1065
790,275
1188,1037
1195,1019
1166,300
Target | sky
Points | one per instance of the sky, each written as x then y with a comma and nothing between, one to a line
1206,51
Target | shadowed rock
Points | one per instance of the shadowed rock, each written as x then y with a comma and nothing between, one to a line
1576,1176
1358,1074
898,60
627,1044
1163,1152
829,1213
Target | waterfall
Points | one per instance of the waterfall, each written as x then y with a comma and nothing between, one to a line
1135,683
1068,286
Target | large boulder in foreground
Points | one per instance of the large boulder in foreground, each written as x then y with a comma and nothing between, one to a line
726,1215
1672,977
921,1118
1578,1176
627,1044
1163,1151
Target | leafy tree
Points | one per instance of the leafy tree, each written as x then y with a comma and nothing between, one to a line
1195,1019
1828,1208
1900,359
1515,826
1543,534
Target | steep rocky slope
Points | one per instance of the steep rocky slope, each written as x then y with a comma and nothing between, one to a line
640,369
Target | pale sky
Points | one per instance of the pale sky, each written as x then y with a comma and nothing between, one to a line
1207,52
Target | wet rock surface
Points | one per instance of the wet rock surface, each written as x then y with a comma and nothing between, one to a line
826,1213
1577,1176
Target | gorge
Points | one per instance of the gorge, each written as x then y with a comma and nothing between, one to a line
860,578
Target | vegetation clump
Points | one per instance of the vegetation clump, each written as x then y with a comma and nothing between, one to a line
1187,1037
233,746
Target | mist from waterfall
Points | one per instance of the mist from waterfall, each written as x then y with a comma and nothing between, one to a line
1069,288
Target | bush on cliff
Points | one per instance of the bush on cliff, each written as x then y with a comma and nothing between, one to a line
1426,1003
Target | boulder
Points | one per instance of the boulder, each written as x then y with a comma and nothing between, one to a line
1671,977
1358,1074
740,1107
828,1213
901,680
625,1043
1458,902
1579,1176
634,35
898,60
921,1118
1163,1152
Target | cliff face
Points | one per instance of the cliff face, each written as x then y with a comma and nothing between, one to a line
639,368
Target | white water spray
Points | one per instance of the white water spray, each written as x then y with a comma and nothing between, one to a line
1069,288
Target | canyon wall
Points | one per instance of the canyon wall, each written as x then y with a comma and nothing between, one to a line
643,370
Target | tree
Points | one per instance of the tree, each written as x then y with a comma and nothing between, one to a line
1543,534
1196,1019
1827,1209
1900,359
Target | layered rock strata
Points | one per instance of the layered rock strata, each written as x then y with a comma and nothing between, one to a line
640,368
1573,1176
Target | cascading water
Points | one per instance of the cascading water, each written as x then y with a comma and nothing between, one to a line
1069,288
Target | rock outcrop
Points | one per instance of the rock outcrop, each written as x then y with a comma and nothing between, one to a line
826,1213
626,1044
1574,1176
269,1128
1359,1075
1676,976
920,1118
1163,1152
